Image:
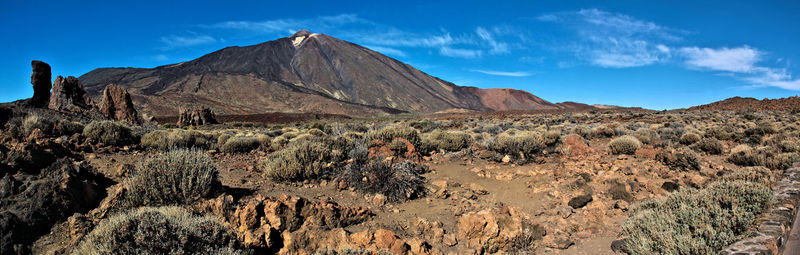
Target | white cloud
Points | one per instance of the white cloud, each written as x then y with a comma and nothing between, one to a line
496,47
160,58
175,41
460,53
742,59
614,40
502,73
387,50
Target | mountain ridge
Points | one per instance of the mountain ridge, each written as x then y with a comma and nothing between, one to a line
303,73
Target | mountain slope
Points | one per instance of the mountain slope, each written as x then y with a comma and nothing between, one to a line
302,73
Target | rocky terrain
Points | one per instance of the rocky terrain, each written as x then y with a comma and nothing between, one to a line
306,72
749,103
78,178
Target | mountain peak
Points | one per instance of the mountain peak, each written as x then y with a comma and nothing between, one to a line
300,33
300,36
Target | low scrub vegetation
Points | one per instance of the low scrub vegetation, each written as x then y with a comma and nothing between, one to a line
179,176
447,140
240,144
300,160
160,230
624,145
398,182
696,221
516,143
109,133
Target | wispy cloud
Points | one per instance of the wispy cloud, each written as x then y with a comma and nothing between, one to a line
614,40
460,53
387,50
175,41
496,47
366,32
502,73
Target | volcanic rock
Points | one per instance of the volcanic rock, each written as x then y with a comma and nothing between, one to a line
196,117
117,105
40,79
68,95
580,201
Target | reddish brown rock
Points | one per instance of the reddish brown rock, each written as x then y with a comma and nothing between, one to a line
196,117
68,95
117,105
40,79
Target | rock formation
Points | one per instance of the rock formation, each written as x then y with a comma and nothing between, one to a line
117,105
196,117
68,95
40,79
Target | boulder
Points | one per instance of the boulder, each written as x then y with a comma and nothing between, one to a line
196,117
68,95
40,79
580,201
117,105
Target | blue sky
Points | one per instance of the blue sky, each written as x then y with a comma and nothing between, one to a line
652,54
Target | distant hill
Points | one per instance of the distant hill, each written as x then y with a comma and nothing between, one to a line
749,103
303,73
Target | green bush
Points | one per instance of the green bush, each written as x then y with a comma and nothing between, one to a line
34,121
744,155
67,128
176,138
389,133
624,145
646,136
757,174
109,133
300,160
696,222
447,140
710,146
682,160
514,142
178,176
240,144
690,138
160,230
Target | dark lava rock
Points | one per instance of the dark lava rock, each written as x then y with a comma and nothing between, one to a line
40,79
68,95
117,105
618,246
37,202
580,201
670,186
196,117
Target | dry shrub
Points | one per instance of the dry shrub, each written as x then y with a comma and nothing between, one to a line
240,144
300,160
624,145
514,142
757,174
710,146
683,159
399,182
696,221
690,138
109,133
176,138
160,230
389,133
175,177
447,140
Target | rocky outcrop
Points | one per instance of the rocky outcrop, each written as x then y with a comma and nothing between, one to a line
196,117
40,79
68,95
282,223
32,203
117,105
